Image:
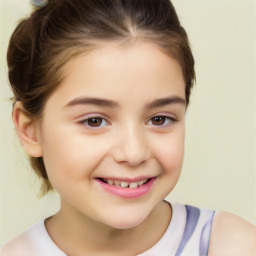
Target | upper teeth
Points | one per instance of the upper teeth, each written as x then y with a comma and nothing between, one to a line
125,184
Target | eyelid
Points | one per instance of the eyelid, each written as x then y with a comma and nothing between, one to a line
85,118
164,114
170,116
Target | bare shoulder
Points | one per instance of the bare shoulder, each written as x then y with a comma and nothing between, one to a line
232,236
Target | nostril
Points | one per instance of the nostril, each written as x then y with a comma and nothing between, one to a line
131,149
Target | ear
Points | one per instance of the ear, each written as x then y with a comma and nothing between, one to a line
27,130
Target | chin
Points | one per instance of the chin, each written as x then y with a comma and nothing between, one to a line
126,221
125,224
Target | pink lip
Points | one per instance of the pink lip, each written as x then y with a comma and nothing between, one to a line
127,192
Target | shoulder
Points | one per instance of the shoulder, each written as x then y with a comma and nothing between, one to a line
17,246
231,235
23,244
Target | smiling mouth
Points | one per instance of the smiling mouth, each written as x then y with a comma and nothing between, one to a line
125,184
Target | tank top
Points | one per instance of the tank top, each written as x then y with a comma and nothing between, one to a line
188,234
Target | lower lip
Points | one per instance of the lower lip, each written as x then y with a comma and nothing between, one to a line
128,192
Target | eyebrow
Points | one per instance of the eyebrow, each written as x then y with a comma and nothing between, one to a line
93,101
113,104
166,101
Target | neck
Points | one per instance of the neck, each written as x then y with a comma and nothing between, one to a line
76,234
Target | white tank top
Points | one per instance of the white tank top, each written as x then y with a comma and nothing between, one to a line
188,234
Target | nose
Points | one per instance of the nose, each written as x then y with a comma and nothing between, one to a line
131,147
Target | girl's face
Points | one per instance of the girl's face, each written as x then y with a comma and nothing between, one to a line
112,134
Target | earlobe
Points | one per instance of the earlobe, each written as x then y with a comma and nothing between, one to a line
27,131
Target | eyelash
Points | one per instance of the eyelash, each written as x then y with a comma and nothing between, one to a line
167,121
85,122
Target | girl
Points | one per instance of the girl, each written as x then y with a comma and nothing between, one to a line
100,94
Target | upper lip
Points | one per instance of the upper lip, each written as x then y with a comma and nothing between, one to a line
136,179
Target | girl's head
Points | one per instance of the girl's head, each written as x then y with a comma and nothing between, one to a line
46,47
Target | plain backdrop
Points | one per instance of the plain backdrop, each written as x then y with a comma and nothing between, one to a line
220,167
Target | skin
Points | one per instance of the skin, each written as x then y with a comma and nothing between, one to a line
232,236
129,143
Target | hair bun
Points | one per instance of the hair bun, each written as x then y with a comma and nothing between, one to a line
39,3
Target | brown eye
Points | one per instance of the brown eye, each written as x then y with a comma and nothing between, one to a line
158,120
161,121
94,122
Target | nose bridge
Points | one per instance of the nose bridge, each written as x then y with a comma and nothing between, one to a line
131,145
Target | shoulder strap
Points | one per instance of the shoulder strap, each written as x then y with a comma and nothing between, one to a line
192,219
205,236
193,214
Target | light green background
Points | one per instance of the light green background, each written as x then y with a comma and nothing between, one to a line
220,167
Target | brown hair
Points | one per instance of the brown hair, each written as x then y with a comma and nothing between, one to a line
42,44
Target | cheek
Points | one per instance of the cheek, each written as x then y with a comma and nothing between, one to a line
171,161
170,153
70,157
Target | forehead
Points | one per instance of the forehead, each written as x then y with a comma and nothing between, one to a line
142,69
